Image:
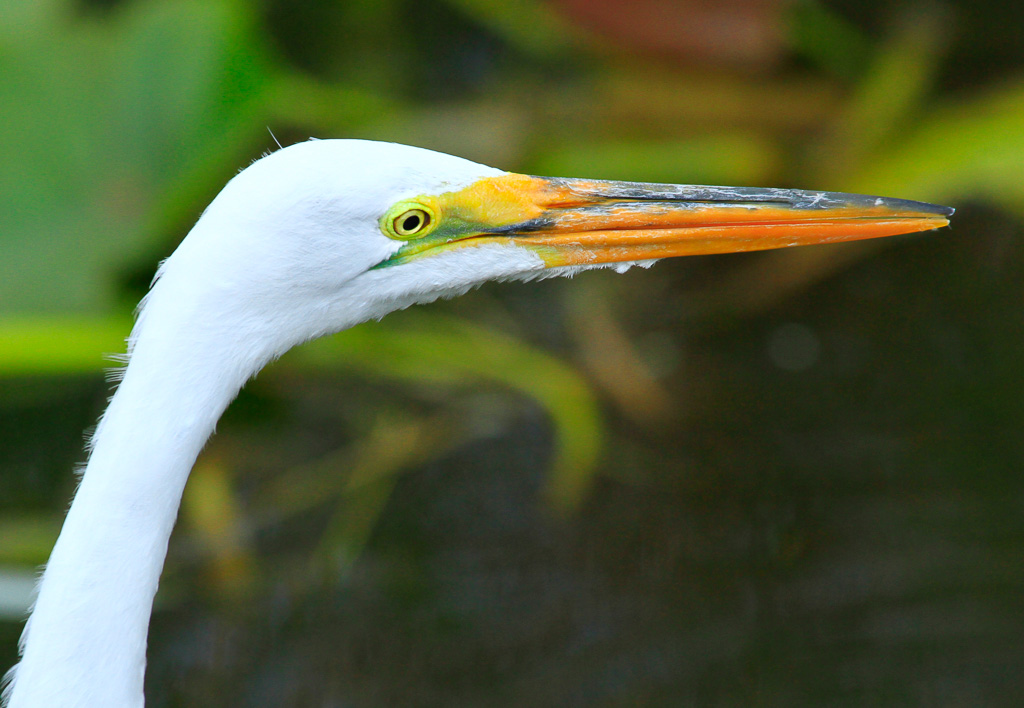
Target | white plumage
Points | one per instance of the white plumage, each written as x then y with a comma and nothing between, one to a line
293,248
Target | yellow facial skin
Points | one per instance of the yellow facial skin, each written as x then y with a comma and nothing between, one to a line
483,210
588,222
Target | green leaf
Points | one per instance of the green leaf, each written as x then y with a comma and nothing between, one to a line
101,120
827,38
530,25
969,150
427,347
413,346
888,97
725,158
27,539
44,346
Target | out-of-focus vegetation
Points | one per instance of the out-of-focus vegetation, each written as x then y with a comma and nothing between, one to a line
784,478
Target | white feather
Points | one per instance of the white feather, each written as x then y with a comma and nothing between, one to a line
284,254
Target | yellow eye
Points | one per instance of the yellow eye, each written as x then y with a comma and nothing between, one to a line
411,222
408,220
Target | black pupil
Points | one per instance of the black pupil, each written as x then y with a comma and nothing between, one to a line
411,222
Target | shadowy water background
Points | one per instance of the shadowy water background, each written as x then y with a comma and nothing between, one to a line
789,478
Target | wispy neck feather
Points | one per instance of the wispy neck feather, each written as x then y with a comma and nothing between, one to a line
281,255
85,642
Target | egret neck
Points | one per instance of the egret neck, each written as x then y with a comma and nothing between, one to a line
307,241
86,641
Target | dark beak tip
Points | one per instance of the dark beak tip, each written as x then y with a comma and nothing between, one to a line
919,208
939,210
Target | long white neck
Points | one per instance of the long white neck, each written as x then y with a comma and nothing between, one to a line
285,253
85,643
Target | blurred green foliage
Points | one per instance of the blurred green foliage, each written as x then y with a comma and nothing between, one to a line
121,121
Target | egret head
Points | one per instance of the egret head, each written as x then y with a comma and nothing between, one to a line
323,234
310,240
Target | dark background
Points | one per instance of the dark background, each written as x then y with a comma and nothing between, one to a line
789,478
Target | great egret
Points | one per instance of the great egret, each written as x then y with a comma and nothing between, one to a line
307,241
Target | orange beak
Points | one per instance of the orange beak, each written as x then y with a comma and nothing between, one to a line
588,222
